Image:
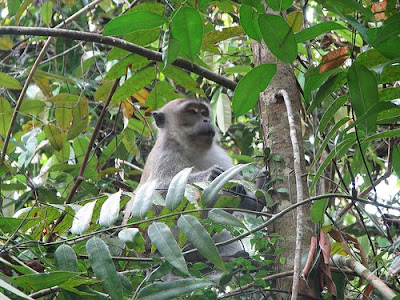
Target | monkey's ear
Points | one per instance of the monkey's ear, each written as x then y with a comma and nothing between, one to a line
159,117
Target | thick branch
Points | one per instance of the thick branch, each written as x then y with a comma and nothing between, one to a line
120,43
378,284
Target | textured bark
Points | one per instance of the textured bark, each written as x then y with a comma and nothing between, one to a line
275,131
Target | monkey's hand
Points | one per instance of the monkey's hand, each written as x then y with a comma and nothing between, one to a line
214,172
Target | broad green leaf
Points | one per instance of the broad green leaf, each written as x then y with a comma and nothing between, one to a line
103,267
176,189
8,287
249,22
224,112
41,281
187,28
34,107
250,86
46,12
396,160
330,112
110,210
279,37
134,84
223,217
21,10
103,91
328,137
160,95
172,289
66,258
133,61
8,225
316,30
143,199
134,21
390,29
317,212
8,82
199,237
216,185
12,6
63,114
182,78
364,93
390,73
83,218
54,136
154,7
389,94
170,48
332,84
162,237
371,58
80,118
128,236
239,69
279,5
382,135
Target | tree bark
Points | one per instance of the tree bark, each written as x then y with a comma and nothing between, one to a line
276,137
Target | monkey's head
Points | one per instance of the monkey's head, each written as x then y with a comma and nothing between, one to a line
187,122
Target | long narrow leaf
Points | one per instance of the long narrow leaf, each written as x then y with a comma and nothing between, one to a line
104,268
176,189
143,199
161,236
199,237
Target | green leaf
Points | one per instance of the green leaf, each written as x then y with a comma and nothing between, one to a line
54,136
170,48
364,93
46,12
160,95
21,10
12,6
216,185
41,281
279,37
5,116
6,286
143,199
199,237
316,30
80,118
330,112
223,217
314,79
9,82
249,22
162,237
104,268
176,189
279,5
172,289
371,58
8,225
318,211
6,44
396,160
134,21
133,61
332,84
389,30
250,86
63,114
183,79
187,28
66,259
295,20
136,82
216,36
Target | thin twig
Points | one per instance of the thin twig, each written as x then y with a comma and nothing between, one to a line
299,193
120,43
32,72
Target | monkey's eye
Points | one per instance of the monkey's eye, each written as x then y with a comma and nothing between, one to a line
204,113
192,111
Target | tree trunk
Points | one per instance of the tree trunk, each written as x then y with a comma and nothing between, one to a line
275,131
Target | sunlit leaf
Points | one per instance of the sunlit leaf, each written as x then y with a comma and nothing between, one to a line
279,5
21,10
176,189
279,37
110,210
187,28
143,199
132,22
318,211
316,30
170,48
250,86
8,82
162,237
6,43
199,237
223,217
41,281
224,112
8,287
295,20
83,218
54,136
249,22
46,12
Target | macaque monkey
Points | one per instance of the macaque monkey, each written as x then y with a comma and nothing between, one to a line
186,138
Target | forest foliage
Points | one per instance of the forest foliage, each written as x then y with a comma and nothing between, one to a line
74,144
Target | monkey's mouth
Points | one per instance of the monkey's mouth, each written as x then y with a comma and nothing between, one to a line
208,133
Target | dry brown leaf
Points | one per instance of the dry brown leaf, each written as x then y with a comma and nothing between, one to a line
326,275
141,96
334,59
378,7
127,108
310,258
